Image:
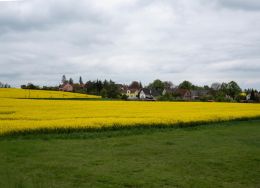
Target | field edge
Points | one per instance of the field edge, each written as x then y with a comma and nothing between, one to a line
118,127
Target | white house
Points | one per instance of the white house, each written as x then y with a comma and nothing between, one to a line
132,94
147,94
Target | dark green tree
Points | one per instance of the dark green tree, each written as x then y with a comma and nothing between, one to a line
2,85
124,97
113,90
71,81
80,80
206,87
30,86
99,86
233,89
105,84
223,88
252,95
141,85
186,85
64,80
157,85
103,93
166,97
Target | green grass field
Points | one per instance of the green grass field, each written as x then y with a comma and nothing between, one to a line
218,155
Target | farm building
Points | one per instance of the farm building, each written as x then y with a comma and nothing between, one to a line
66,87
147,94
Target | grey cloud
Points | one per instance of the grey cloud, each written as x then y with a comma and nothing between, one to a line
248,5
129,40
43,15
14,75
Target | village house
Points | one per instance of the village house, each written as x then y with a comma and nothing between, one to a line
183,94
197,94
168,91
66,87
248,96
147,94
131,91
255,97
132,94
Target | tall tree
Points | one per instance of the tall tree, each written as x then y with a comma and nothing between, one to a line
64,80
80,80
99,86
2,85
252,95
105,84
141,85
71,81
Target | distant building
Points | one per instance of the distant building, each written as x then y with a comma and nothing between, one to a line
66,87
253,96
168,91
248,96
216,86
197,94
130,91
147,94
184,94
132,94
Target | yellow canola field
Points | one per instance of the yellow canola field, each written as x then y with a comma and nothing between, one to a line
27,114
25,93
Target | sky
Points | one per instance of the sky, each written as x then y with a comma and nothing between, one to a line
203,41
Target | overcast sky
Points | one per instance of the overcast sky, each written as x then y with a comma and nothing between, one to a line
202,41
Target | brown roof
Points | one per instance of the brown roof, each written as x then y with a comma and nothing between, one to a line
124,89
181,92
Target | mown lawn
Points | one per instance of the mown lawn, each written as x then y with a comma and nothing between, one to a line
219,155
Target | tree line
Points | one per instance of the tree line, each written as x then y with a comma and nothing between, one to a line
106,88
4,85
223,92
